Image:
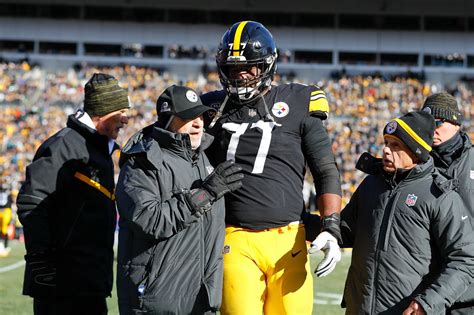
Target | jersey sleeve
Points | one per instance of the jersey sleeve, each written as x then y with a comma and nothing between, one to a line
319,157
318,105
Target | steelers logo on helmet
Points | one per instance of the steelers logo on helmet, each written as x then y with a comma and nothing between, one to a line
246,61
391,127
280,109
191,96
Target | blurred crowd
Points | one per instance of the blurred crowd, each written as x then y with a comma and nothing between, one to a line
35,102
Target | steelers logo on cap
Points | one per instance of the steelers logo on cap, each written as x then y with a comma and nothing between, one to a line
165,107
391,127
191,96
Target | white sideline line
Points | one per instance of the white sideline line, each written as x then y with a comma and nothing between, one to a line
329,295
326,298
18,264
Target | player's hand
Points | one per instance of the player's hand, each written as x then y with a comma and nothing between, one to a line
414,309
332,253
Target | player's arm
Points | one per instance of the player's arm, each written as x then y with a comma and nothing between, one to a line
321,162
320,158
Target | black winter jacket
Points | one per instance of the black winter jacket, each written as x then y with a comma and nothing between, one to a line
411,240
462,169
67,209
169,261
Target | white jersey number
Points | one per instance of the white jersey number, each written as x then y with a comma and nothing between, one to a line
239,129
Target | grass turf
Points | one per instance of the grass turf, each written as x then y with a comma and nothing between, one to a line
327,291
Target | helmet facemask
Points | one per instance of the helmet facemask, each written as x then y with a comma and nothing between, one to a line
245,90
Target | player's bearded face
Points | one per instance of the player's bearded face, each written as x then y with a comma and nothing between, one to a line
245,74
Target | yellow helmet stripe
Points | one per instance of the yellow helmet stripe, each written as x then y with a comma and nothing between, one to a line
237,36
413,134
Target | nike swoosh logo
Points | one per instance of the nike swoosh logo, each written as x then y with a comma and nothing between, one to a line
464,217
295,254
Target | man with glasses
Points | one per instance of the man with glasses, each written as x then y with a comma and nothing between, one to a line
454,157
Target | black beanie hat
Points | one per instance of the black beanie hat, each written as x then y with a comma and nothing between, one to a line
443,106
103,95
415,130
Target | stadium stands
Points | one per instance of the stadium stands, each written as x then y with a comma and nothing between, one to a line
34,103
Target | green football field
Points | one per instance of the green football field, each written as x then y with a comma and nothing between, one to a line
327,291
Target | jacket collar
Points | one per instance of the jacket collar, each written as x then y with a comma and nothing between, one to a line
374,166
467,141
466,146
90,134
151,139
179,142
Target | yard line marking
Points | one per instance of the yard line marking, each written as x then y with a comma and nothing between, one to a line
329,295
18,264
326,298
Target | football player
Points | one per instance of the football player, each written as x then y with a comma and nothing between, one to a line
273,132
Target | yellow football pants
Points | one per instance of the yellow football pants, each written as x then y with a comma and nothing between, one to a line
267,272
5,218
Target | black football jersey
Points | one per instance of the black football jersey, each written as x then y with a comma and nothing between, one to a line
265,139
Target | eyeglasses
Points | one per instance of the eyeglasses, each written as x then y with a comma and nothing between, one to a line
439,122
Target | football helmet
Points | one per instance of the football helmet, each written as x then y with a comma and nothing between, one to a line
244,46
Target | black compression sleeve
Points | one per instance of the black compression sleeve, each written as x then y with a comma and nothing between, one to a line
319,156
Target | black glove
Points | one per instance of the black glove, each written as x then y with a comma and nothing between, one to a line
226,177
332,224
40,273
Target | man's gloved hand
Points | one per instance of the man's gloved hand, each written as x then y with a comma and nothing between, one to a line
225,178
41,272
327,241
332,253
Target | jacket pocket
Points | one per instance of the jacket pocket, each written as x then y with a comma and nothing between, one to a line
166,256
73,225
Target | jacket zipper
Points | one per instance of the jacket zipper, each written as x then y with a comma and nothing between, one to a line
204,217
143,286
201,227
380,246
73,225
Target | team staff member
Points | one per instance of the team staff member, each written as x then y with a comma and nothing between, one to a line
413,250
272,131
67,207
453,155
172,215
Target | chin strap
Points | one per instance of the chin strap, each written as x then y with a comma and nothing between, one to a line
268,115
219,112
